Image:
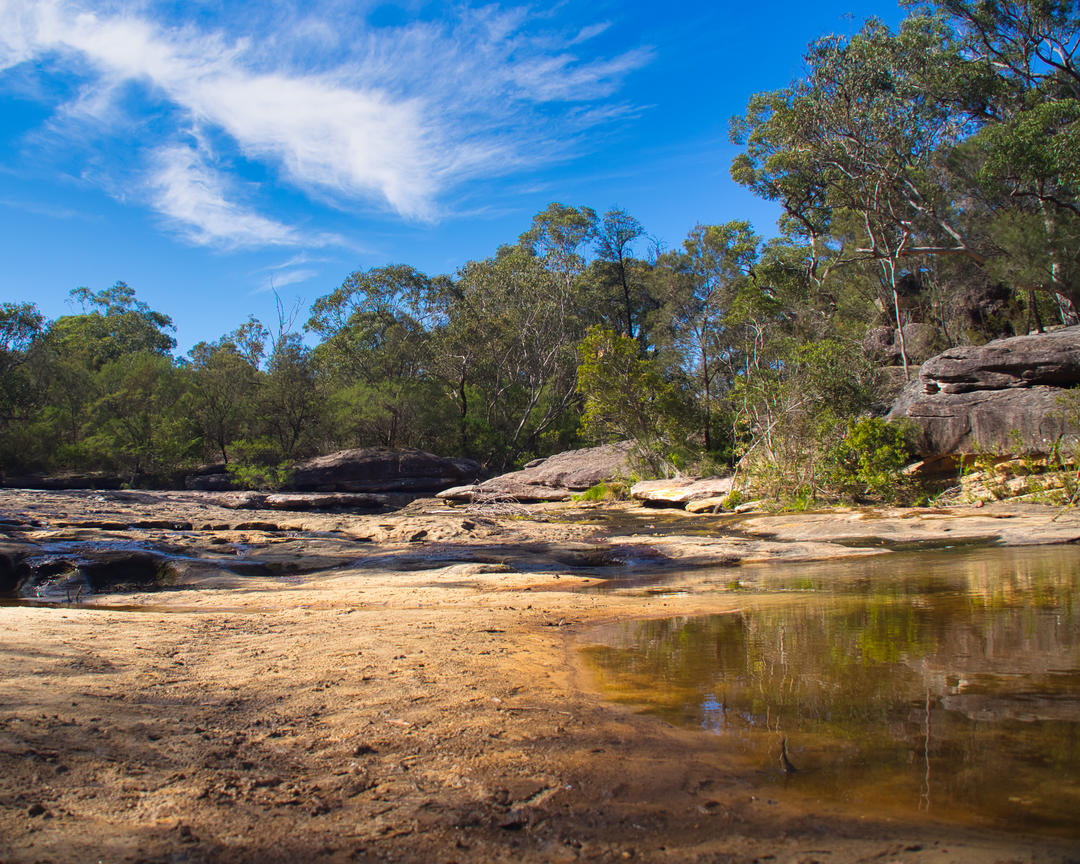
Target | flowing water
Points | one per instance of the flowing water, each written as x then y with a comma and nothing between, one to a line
931,685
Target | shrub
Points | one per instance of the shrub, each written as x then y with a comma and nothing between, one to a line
613,491
258,465
870,458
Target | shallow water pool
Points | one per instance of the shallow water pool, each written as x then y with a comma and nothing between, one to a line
932,685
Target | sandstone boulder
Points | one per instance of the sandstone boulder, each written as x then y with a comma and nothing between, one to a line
381,469
680,491
363,470
1001,396
553,479
921,341
1048,359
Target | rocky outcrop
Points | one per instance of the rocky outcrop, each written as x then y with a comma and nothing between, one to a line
209,478
300,501
381,469
88,480
363,470
1002,396
921,341
553,479
682,491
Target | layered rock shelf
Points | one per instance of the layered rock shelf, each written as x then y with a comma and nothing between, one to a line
1004,396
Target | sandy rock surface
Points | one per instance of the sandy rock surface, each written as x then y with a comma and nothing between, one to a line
347,687
681,490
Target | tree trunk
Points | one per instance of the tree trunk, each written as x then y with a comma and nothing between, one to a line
890,267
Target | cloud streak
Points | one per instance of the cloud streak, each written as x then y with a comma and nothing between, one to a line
193,196
396,121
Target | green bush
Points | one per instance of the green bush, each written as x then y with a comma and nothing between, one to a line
613,491
258,465
869,461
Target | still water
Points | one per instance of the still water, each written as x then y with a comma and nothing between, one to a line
930,685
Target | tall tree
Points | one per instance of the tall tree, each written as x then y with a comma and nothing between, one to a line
226,376
854,149
139,421
699,285
376,329
621,274
113,324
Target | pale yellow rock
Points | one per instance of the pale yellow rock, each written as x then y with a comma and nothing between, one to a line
680,490
707,505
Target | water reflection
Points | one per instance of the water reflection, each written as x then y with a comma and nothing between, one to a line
950,685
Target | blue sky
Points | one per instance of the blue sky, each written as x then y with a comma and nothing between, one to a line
208,153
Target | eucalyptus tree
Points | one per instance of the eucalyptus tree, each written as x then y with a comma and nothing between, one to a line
621,277
698,286
1022,87
629,395
955,137
513,327
140,426
292,399
376,331
74,353
113,323
21,326
21,387
225,378
855,149
558,238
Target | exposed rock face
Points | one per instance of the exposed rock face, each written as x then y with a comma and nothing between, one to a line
301,501
998,396
381,469
680,491
553,479
368,469
1050,359
921,341
89,480
209,478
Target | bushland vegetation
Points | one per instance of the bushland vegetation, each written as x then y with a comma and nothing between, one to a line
930,185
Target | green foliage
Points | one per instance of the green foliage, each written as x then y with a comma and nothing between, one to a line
627,397
258,464
21,328
793,413
698,287
137,419
868,461
733,499
613,491
116,325
225,380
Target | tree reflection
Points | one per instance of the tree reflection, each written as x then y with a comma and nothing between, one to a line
956,691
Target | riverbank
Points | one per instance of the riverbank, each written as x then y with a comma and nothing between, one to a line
406,687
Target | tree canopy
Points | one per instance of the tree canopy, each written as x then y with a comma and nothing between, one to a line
929,178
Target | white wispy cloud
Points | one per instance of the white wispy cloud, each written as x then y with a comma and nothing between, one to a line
193,196
346,114
285,278
590,31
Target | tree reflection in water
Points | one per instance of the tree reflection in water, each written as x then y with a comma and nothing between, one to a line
951,686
